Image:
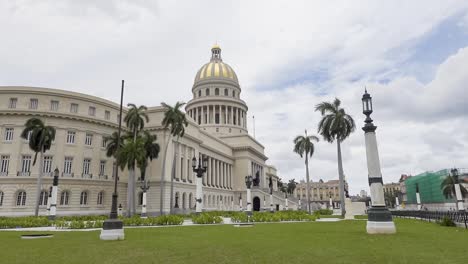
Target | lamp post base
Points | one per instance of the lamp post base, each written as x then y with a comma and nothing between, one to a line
380,221
112,229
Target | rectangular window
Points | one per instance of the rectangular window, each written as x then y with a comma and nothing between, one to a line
12,104
67,166
89,139
71,137
26,163
9,133
118,119
107,115
104,142
47,164
74,108
33,103
182,169
102,168
86,166
4,163
92,111
54,105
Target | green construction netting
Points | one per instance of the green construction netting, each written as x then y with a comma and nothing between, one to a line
429,187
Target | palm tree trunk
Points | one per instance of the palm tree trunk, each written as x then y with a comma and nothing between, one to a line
163,173
341,178
39,183
173,172
131,193
308,182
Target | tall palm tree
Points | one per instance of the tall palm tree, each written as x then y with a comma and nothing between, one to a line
336,125
40,140
291,186
132,153
135,121
304,146
448,187
175,120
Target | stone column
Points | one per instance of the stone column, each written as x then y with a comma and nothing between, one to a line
232,116
199,194
380,219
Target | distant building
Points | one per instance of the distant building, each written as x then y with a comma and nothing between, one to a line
391,188
320,193
363,193
430,191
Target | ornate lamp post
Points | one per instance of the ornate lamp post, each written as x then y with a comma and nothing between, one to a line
145,185
271,194
200,170
53,202
112,228
379,217
248,184
458,194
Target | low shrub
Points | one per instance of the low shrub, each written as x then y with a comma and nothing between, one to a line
260,217
206,218
324,211
239,217
446,221
23,222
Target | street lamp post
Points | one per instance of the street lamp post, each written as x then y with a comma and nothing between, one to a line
200,170
458,194
112,228
145,185
248,184
271,195
379,217
53,202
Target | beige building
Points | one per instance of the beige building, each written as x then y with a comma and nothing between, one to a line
392,188
320,193
217,130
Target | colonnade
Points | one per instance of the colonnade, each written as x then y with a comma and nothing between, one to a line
219,114
218,174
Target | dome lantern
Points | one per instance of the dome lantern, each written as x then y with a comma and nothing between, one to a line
216,53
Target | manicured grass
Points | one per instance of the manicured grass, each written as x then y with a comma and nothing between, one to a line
309,242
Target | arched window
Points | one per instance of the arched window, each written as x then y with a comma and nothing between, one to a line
225,92
190,200
199,93
207,92
1,198
100,197
43,197
217,91
140,198
84,198
64,197
183,201
21,198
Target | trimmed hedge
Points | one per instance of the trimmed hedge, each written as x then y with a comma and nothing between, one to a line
274,217
206,218
24,222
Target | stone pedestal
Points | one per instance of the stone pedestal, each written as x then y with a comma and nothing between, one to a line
380,221
349,209
112,229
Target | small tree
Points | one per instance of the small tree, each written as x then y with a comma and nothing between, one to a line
304,146
40,140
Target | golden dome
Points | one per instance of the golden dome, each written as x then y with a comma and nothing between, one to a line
216,68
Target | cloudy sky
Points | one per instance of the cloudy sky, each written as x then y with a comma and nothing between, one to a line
289,55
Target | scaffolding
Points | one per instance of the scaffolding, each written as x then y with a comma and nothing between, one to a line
429,187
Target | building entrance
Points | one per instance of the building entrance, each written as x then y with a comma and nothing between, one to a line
256,203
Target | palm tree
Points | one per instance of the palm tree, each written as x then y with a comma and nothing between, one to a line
175,120
132,153
448,187
135,120
304,146
291,186
40,140
336,125
151,152
111,146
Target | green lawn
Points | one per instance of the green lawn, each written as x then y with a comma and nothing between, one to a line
313,242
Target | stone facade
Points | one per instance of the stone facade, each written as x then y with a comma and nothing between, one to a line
86,173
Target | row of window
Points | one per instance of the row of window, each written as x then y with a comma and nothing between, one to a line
54,106
65,197
69,139
217,92
25,168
